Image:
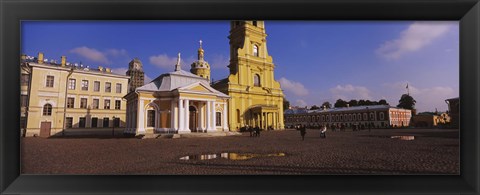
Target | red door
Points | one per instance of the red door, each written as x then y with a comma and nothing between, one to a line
45,129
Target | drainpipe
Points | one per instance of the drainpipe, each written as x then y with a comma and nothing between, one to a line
65,103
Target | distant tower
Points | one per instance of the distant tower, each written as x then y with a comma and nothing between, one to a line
135,71
201,67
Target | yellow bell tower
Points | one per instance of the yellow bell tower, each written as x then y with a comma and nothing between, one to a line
256,98
201,67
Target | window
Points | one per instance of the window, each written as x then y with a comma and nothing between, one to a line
69,122
372,116
23,100
106,104
354,117
49,82
95,103
108,87
25,79
382,116
71,83
83,102
81,122
118,88
255,50
238,116
218,121
365,116
254,23
94,122
96,86
116,122
70,102
85,85
151,118
106,122
47,110
23,122
117,104
256,80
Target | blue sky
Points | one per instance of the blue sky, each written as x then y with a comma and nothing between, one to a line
316,61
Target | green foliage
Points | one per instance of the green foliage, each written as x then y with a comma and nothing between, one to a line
406,102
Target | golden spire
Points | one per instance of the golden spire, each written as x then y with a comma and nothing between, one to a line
200,52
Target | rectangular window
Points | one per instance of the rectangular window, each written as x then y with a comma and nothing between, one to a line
106,122
83,103
106,104
84,85
117,104
70,102
49,82
94,122
108,87
81,122
151,118
23,100
25,79
96,86
218,121
118,88
71,83
23,122
95,103
116,122
69,122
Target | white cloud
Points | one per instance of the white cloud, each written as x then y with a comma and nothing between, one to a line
427,99
296,88
300,103
348,92
163,60
121,71
415,37
91,54
116,52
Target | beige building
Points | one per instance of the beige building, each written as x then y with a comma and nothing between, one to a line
380,116
256,98
177,102
63,96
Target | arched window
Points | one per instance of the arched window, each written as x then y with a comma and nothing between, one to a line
365,116
382,116
255,50
47,110
256,80
151,118
254,23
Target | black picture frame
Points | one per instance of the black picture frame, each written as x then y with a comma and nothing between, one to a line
14,11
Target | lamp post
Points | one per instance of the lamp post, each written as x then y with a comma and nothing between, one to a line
70,72
368,120
113,127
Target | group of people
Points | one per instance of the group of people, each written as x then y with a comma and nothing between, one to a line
254,132
303,131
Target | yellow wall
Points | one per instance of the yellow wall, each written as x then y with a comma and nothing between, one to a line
41,95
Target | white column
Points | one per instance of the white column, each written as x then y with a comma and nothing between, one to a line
180,115
207,114
172,115
141,118
224,117
201,115
214,117
187,115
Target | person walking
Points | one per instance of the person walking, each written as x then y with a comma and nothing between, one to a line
303,131
257,131
322,132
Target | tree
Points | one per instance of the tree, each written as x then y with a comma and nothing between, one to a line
383,102
326,105
314,107
353,103
406,102
361,103
340,103
286,104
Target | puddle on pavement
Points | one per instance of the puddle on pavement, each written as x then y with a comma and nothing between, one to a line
403,137
230,156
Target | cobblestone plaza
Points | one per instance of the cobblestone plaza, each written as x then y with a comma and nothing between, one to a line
432,151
